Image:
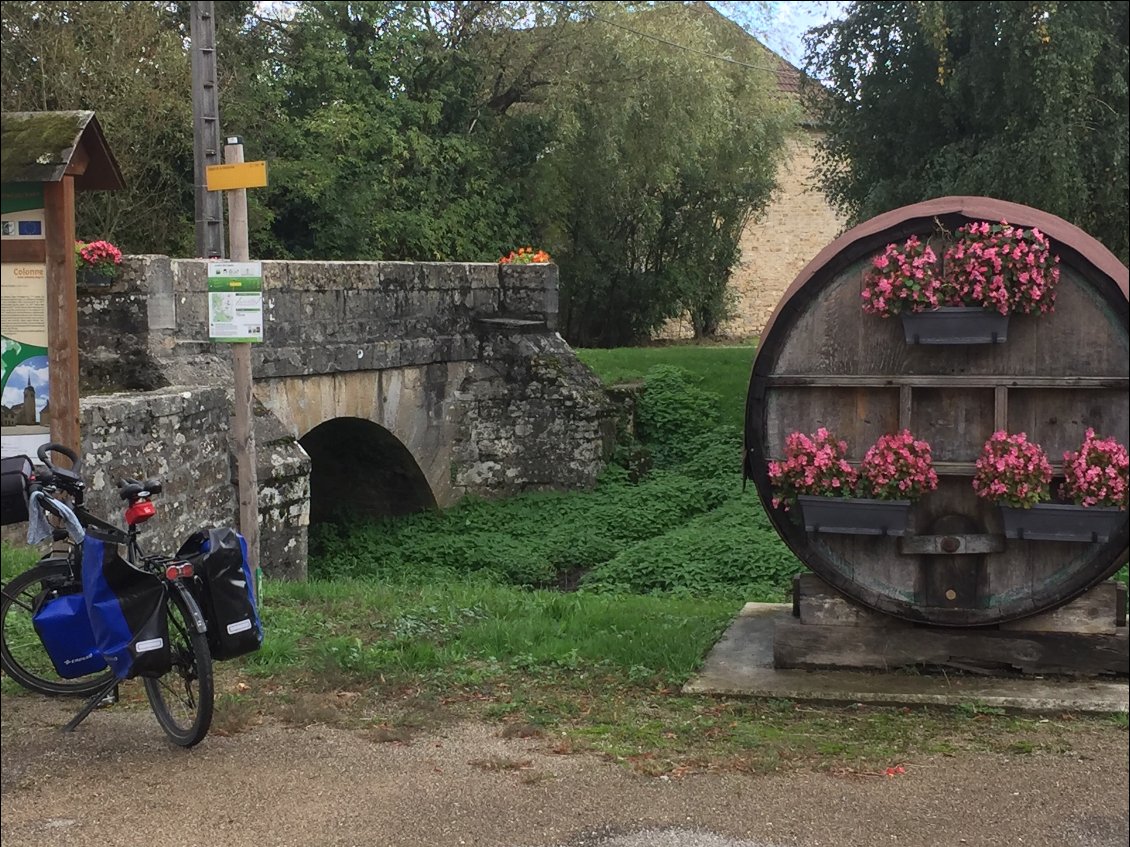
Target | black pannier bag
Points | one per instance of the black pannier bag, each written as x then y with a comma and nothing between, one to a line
127,608
224,589
15,471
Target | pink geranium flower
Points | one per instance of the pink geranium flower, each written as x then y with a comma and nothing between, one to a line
898,467
1096,474
902,278
1000,267
1013,471
814,464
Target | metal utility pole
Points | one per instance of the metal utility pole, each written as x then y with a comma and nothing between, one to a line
206,130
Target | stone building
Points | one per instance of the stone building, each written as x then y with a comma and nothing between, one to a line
797,225
22,414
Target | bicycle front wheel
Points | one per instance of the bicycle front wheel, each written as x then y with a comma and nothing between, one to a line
182,699
22,654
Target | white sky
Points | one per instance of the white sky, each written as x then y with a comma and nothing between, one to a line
788,21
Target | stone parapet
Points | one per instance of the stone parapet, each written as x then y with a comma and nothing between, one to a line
459,362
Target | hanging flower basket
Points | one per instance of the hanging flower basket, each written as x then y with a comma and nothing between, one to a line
1062,522
955,325
854,515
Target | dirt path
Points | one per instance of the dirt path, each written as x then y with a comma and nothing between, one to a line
117,782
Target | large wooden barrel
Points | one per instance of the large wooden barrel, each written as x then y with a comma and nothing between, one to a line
823,362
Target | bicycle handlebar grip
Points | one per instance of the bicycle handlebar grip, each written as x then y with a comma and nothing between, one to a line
46,449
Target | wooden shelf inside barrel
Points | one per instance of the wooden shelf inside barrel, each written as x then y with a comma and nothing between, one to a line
823,362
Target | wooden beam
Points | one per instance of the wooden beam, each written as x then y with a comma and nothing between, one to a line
906,405
940,381
1000,407
62,311
78,163
32,251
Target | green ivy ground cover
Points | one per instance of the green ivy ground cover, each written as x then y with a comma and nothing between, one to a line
684,528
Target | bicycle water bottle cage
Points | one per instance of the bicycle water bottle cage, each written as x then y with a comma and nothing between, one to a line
140,512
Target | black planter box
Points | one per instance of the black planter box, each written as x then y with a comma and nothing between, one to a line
1062,522
955,325
853,515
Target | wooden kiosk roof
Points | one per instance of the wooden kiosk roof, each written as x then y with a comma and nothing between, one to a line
46,146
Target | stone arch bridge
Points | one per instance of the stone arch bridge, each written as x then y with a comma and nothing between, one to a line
380,387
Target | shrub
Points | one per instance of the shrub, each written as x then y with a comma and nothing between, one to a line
673,412
732,551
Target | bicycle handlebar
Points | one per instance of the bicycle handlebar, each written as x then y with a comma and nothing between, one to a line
68,479
46,449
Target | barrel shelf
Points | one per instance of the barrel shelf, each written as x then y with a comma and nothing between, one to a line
822,362
942,381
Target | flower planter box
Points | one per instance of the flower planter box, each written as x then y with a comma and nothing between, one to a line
1062,522
853,515
955,325
90,278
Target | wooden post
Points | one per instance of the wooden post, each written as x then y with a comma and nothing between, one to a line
62,311
243,428
206,129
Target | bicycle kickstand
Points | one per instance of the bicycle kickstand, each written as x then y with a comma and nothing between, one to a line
90,705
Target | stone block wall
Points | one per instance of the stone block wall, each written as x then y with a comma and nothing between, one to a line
797,225
178,435
492,400
532,417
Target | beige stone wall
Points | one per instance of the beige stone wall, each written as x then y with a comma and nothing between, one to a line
797,225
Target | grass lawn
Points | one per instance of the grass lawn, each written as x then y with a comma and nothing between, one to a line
594,673
723,370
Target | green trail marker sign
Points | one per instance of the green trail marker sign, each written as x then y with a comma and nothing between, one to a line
235,301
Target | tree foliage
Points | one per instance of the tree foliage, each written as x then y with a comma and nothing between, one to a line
1023,101
121,60
661,158
445,130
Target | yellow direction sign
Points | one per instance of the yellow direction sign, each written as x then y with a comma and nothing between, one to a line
241,175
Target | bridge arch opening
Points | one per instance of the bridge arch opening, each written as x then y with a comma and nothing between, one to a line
358,469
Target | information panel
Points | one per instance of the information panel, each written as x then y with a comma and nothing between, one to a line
235,301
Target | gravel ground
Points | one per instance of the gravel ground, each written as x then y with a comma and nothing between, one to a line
118,782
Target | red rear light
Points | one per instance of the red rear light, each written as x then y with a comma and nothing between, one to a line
140,512
178,570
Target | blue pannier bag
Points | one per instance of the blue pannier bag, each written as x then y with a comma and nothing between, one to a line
223,585
127,608
63,626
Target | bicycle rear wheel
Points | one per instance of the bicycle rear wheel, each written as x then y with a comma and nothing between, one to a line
22,654
182,699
